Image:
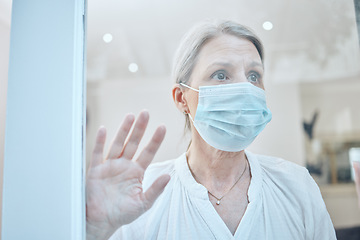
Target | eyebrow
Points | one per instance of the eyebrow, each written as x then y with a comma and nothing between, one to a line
224,64
227,64
256,64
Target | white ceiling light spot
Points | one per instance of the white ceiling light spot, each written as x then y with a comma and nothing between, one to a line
107,37
267,25
133,67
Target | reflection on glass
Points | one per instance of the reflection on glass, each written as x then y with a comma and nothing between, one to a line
354,156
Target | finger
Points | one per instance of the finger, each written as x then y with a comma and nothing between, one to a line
356,166
136,135
118,142
97,155
147,155
156,189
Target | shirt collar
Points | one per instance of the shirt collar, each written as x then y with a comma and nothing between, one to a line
199,191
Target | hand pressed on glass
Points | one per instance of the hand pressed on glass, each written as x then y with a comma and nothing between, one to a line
356,166
114,195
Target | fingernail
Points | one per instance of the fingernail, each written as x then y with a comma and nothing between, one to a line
163,128
165,179
145,112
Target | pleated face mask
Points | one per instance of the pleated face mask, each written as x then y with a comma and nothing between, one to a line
230,116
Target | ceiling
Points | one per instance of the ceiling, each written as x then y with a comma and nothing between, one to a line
311,40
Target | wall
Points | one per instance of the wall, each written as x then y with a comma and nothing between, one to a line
338,105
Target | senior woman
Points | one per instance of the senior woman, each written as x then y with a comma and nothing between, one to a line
216,189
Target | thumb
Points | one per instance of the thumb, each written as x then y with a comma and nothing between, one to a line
156,189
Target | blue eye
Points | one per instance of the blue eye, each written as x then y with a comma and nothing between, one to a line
253,78
220,76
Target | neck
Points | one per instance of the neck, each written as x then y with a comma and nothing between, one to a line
215,169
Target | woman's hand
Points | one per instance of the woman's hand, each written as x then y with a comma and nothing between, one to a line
356,166
114,194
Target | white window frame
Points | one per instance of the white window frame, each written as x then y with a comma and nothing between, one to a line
43,191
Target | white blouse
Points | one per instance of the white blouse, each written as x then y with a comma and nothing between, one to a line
284,203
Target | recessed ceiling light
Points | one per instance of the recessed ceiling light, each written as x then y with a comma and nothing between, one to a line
107,37
133,67
267,25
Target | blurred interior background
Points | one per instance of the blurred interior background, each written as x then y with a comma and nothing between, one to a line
312,79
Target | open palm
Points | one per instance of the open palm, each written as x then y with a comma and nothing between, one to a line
114,194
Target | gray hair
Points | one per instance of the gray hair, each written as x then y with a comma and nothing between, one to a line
193,40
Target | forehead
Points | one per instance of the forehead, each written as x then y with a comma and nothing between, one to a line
230,48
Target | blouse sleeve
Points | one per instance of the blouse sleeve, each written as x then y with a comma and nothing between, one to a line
318,224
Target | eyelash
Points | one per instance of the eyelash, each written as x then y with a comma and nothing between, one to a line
251,73
218,72
257,75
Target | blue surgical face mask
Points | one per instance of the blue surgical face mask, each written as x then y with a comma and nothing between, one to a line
230,116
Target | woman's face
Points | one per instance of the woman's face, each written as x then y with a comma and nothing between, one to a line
222,60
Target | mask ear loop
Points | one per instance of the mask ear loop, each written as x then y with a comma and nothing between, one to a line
184,85
186,113
190,117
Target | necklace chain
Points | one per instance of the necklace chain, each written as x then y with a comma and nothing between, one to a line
218,200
